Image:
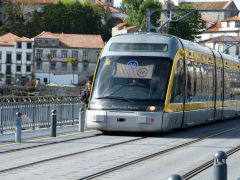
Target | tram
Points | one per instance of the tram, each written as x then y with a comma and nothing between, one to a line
149,82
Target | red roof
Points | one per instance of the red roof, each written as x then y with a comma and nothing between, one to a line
24,39
207,5
222,38
207,20
234,18
125,26
8,39
75,40
105,6
120,25
215,27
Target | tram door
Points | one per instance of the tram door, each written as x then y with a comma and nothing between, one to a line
174,119
219,91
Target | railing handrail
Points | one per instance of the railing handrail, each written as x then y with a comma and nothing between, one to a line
37,99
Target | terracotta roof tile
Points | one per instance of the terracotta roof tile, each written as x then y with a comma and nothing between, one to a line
207,5
234,18
24,39
47,35
120,25
207,20
105,6
8,39
124,26
130,27
75,40
215,27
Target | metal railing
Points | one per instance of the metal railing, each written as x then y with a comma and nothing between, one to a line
36,111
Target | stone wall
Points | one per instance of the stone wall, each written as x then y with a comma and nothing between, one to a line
59,91
39,91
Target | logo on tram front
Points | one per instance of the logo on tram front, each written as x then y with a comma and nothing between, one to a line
132,64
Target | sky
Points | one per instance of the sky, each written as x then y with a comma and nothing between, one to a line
237,2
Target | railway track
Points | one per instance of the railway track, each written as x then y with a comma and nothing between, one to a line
133,162
207,165
48,144
154,155
68,155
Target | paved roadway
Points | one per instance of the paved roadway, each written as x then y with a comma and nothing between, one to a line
81,165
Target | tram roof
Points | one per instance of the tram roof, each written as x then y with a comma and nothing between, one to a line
154,38
173,43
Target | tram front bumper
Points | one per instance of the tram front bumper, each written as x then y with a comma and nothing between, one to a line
124,121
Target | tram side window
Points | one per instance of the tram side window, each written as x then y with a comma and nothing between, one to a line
197,83
219,85
237,85
194,82
205,82
227,84
211,83
190,81
178,82
234,85
231,91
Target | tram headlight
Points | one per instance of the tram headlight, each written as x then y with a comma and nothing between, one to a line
151,108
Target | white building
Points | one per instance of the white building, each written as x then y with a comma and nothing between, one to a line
227,27
65,59
214,5
124,28
226,44
16,59
223,36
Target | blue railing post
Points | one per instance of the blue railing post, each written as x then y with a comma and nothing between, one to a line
175,177
1,121
54,123
18,128
220,166
81,118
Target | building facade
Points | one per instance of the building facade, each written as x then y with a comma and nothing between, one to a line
215,5
227,27
65,59
124,28
225,44
16,59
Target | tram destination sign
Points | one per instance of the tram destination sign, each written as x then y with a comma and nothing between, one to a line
146,47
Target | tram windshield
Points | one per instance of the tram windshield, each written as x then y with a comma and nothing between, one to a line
132,79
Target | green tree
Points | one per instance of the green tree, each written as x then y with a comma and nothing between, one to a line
189,28
69,17
137,9
14,19
15,15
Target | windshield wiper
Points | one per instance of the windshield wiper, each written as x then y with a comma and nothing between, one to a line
115,97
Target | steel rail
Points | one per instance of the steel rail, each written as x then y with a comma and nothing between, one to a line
68,155
110,170
207,165
47,144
